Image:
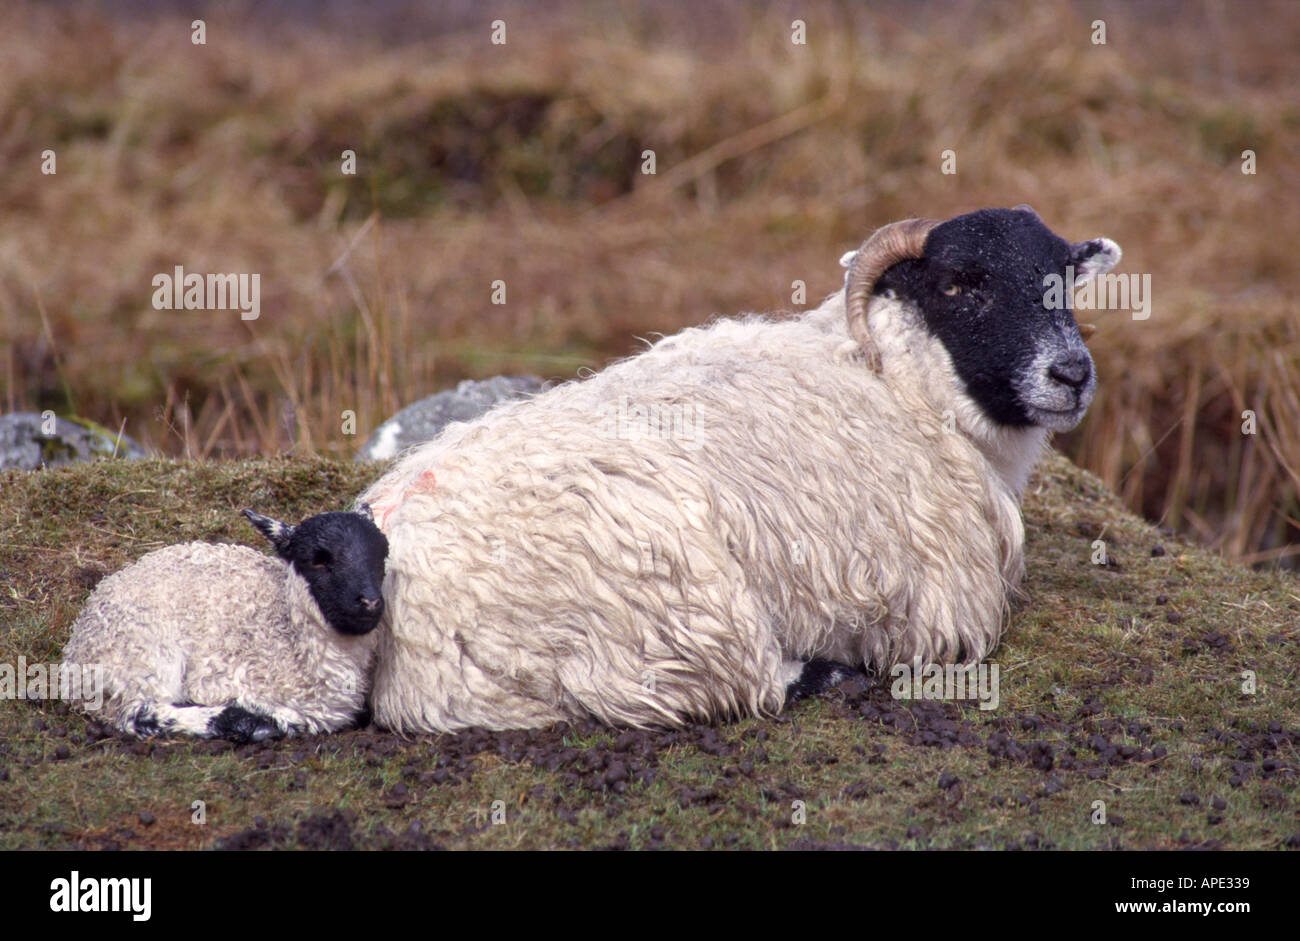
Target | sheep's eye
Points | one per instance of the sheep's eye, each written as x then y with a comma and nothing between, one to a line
952,290
321,559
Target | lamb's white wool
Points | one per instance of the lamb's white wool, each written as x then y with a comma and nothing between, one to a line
188,630
541,569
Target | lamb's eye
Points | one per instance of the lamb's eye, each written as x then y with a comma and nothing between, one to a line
321,559
952,290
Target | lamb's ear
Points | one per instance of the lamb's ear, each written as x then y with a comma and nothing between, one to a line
1093,257
365,511
277,533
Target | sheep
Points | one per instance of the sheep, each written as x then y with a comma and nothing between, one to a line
223,641
707,528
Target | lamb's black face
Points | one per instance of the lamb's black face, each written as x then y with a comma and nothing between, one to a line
341,557
981,287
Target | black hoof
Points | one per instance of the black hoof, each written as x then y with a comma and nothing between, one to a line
241,726
817,677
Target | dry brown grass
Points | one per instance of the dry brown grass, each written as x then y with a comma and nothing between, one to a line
521,163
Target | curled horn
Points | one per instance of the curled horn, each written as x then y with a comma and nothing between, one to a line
887,246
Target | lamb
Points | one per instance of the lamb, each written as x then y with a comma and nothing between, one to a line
699,530
223,641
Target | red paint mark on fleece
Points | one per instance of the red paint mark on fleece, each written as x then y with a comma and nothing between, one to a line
425,483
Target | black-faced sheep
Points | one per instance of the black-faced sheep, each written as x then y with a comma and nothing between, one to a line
675,536
225,641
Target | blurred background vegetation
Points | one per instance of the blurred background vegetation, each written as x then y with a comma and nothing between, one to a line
522,162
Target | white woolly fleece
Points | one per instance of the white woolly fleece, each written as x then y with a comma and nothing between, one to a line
210,625
541,567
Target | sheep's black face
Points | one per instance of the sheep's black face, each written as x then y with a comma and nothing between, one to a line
341,558
982,289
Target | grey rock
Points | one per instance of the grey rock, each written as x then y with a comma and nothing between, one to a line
423,420
24,445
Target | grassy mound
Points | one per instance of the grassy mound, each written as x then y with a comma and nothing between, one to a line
1120,683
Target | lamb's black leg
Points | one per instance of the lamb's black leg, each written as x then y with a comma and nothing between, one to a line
144,723
239,725
817,677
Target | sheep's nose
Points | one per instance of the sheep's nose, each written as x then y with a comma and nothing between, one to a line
372,604
1071,370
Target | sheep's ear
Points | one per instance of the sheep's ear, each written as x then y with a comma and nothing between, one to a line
1093,257
365,511
276,533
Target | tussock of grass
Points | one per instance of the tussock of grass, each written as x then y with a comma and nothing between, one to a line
1095,661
